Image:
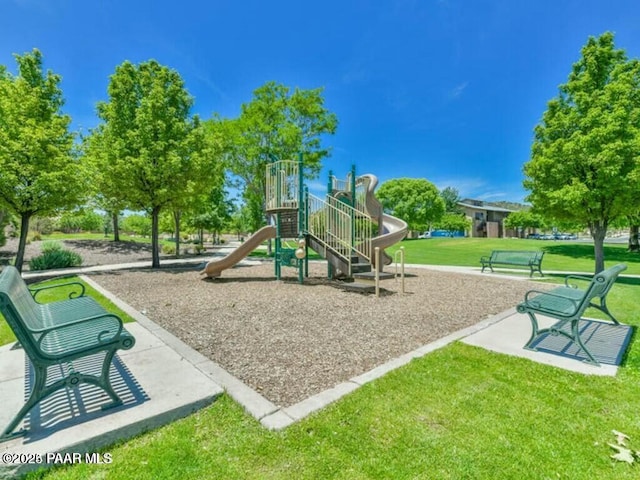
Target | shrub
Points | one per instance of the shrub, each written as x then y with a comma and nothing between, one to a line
55,259
50,246
33,237
168,249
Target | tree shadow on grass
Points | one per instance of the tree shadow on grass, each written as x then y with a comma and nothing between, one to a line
620,280
109,246
611,254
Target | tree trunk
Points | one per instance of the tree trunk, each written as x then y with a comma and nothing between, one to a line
116,227
634,238
598,233
177,214
22,243
155,251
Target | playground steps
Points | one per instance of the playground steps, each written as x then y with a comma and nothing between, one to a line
358,287
370,277
338,261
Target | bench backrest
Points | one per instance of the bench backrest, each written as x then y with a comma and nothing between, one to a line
518,256
602,282
17,305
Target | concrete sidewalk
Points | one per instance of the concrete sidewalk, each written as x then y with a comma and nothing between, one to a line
508,333
156,382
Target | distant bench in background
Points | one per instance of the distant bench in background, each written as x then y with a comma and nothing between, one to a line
516,258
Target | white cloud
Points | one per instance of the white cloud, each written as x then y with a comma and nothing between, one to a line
467,187
458,90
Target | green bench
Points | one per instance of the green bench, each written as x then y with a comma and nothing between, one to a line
59,333
518,258
567,304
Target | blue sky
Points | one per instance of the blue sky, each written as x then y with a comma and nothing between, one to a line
448,90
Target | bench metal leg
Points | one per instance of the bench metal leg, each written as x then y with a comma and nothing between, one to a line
556,329
37,394
575,330
534,332
604,309
40,391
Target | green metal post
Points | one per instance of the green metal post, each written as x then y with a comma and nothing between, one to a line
352,187
301,214
278,253
306,230
329,192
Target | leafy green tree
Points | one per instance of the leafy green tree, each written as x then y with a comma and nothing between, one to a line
585,165
149,142
453,222
80,220
4,220
39,170
275,124
634,233
212,212
415,200
107,194
523,219
451,197
137,224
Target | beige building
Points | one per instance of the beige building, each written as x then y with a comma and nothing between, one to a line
486,220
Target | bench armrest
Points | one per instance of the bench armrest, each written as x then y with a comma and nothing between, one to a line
575,277
73,294
485,259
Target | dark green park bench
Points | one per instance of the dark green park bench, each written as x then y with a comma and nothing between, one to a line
59,333
515,258
568,303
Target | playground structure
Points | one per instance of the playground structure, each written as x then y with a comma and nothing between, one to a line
346,227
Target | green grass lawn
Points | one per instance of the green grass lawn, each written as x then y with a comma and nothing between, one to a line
459,412
559,255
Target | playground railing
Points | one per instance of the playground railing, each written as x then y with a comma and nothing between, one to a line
340,227
338,185
282,184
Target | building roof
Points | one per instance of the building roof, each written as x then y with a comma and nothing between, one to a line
483,206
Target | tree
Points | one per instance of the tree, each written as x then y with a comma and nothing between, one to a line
212,212
39,170
453,222
451,197
415,200
107,195
4,220
633,221
523,219
151,147
275,124
137,224
584,165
